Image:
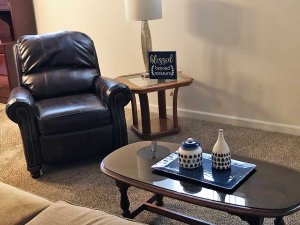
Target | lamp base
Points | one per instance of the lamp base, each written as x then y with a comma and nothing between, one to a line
146,44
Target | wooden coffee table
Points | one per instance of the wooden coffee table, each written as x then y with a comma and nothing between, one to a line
272,191
147,127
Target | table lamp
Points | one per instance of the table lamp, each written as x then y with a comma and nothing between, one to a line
144,10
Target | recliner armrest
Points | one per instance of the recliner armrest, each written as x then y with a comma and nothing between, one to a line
116,96
108,89
19,98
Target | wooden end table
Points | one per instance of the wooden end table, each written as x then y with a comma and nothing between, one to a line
146,127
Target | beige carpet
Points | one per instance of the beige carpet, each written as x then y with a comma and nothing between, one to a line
83,183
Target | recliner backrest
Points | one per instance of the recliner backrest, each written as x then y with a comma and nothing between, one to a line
57,64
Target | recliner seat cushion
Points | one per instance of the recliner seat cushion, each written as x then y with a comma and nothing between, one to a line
71,113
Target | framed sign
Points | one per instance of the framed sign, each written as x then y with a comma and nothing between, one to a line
162,65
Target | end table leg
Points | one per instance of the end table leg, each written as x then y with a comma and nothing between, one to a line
124,203
145,113
134,110
159,200
175,116
162,104
279,221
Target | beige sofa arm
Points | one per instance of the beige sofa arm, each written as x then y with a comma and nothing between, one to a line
19,207
64,213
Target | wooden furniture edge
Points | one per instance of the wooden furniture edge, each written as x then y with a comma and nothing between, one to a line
155,87
229,208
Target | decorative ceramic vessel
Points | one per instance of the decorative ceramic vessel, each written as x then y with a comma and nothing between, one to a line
221,156
190,154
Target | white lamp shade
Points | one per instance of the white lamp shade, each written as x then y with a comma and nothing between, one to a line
143,9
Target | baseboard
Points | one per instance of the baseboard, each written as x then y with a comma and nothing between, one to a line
240,121
234,120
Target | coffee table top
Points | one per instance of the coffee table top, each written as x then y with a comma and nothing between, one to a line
272,190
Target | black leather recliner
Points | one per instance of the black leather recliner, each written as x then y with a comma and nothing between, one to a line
64,108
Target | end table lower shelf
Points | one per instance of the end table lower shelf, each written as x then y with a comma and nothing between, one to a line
159,127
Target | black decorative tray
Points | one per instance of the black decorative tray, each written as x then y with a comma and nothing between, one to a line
225,179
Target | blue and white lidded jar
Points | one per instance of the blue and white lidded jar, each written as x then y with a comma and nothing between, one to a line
221,156
190,154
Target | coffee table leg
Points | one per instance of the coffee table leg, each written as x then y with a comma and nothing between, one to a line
279,221
124,203
253,220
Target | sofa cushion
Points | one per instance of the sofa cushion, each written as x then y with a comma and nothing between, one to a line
63,213
19,207
71,113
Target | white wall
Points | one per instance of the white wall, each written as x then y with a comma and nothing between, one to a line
243,55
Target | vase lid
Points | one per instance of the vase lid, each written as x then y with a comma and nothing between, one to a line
190,144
